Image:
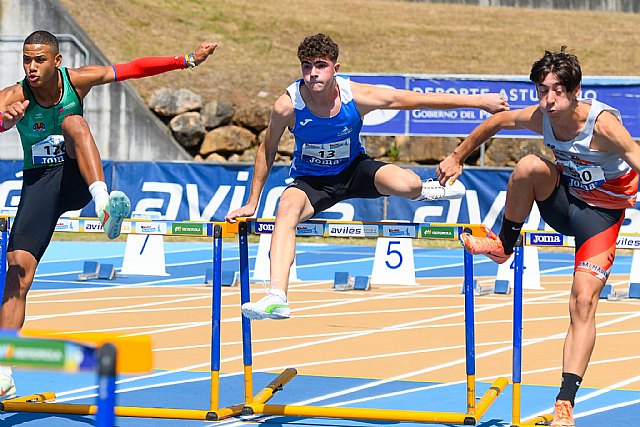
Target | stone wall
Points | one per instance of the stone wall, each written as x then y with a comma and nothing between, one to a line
219,132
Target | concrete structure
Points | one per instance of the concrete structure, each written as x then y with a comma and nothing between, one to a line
122,125
598,5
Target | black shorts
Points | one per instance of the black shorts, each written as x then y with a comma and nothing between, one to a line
595,229
355,182
47,193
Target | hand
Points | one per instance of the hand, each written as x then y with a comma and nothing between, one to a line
449,170
203,51
14,113
244,212
494,103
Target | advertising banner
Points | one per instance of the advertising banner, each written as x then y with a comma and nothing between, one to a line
207,192
619,92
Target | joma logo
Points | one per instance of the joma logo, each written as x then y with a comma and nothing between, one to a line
546,239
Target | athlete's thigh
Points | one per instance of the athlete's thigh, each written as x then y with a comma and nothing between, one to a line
555,209
596,232
362,180
74,193
37,214
306,196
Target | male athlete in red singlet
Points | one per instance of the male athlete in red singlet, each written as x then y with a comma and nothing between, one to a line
583,193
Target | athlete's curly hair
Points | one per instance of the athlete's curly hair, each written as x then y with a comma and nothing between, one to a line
564,65
43,37
318,46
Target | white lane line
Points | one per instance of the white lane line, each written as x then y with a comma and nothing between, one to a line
527,342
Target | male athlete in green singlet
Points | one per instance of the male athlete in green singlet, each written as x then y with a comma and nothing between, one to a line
62,165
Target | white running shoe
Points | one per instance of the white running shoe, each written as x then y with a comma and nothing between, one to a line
112,215
432,190
272,306
7,387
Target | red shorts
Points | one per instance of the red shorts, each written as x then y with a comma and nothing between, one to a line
595,229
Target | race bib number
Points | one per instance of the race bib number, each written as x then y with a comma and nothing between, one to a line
586,177
330,154
48,151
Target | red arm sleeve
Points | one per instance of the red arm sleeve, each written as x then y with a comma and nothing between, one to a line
149,66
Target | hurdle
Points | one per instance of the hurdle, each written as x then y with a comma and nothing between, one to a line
72,356
45,402
539,238
475,410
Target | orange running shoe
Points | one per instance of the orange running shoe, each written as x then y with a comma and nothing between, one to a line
563,415
490,246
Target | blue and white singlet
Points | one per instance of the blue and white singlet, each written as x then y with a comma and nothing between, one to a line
325,145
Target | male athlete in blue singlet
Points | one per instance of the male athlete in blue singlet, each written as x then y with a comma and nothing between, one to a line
324,113
583,193
62,165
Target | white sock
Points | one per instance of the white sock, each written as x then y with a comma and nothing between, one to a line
6,370
277,291
100,195
280,293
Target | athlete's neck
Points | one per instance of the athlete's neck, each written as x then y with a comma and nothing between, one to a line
50,93
569,126
325,103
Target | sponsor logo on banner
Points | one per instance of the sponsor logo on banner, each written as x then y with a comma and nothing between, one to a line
151,228
398,231
438,232
265,227
185,228
125,228
628,242
310,229
546,239
371,230
92,227
346,230
68,225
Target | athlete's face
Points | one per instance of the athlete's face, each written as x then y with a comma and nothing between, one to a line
553,96
39,63
318,73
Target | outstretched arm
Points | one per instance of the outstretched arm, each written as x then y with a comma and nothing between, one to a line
370,97
451,167
281,117
84,78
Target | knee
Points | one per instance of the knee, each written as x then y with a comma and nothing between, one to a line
76,131
18,280
411,181
74,125
404,182
583,307
288,210
529,165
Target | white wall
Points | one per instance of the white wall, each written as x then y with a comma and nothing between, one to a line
122,125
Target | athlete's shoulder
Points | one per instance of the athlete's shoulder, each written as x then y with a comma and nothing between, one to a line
608,124
283,105
282,113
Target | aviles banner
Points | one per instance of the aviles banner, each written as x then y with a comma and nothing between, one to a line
203,192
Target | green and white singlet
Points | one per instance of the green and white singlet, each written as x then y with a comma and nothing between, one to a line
40,128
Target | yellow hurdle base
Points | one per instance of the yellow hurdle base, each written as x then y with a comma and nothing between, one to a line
17,405
371,414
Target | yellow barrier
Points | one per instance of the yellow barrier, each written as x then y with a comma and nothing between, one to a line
133,356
